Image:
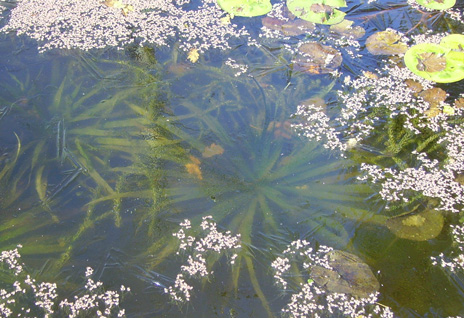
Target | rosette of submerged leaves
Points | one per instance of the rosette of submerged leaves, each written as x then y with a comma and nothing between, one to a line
239,161
318,11
441,63
245,8
437,4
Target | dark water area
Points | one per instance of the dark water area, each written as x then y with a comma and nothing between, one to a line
103,154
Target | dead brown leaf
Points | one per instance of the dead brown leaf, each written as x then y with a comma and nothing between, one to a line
212,150
193,167
434,96
459,103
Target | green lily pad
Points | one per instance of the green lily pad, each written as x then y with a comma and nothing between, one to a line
421,226
454,42
318,11
348,275
245,8
437,4
385,43
435,62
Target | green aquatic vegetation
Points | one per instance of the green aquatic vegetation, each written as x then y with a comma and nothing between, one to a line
260,174
89,151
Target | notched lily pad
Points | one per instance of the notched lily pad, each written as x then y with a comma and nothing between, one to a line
385,43
437,4
420,226
245,8
318,11
435,62
349,275
316,58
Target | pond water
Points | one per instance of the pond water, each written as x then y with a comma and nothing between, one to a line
103,153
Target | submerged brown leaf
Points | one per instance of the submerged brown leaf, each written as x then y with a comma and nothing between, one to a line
459,103
193,167
316,58
414,85
346,29
385,43
434,96
212,150
290,28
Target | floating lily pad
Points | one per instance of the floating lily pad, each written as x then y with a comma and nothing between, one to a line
349,275
318,11
421,226
435,62
245,8
454,42
385,43
437,4
346,29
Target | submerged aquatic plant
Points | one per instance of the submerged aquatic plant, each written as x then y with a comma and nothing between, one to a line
86,151
226,149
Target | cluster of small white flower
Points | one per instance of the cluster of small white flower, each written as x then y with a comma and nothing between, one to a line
241,68
315,301
453,263
11,258
315,124
98,24
210,241
101,303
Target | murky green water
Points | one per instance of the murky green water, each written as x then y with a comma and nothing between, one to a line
103,153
